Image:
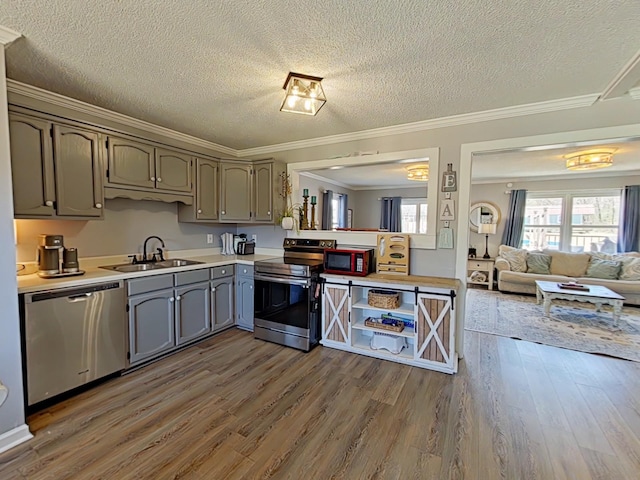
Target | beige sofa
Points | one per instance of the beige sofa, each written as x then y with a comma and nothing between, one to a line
564,266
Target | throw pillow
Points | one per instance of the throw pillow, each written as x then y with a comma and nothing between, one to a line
538,263
607,269
630,270
517,259
568,264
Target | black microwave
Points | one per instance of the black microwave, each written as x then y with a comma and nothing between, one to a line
348,261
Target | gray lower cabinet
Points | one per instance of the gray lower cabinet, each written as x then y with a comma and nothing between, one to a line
151,325
56,169
222,303
244,298
193,312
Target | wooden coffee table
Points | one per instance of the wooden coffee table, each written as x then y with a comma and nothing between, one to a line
596,294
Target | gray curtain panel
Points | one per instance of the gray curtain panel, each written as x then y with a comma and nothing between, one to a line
629,231
514,229
390,214
327,221
342,221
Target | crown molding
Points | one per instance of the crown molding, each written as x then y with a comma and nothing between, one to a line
635,93
452,121
7,35
626,78
36,93
320,178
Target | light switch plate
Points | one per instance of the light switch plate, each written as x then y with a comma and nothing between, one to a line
209,238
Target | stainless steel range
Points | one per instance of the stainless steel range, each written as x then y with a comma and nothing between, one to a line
287,294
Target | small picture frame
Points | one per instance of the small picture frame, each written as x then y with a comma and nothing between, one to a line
472,252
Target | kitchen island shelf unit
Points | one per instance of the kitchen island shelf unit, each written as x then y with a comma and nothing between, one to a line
428,302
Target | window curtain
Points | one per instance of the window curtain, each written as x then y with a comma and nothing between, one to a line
327,220
342,211
390,214
629,231
514,229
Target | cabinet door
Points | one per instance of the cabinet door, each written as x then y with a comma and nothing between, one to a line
206,189
263,192
78,172
335,313
222,303
31,166
244,303
130,163
193,310
235,192
435,326
151,325
173,171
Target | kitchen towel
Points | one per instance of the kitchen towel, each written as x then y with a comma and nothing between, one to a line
227,244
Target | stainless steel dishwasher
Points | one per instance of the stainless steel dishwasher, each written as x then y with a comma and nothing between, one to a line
73,336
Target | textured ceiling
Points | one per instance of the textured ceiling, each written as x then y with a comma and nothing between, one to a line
215,69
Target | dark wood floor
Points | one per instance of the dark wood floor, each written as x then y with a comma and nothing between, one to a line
235,408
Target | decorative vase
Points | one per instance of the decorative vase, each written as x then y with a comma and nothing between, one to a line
287,223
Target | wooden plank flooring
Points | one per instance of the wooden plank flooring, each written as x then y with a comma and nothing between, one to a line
237,408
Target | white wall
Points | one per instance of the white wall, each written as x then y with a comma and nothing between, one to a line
494,193
12,412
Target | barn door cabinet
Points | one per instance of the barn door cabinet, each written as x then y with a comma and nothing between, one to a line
427,304
56,170
136,166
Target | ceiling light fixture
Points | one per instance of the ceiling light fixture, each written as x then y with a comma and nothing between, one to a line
589,160
419,173
304,94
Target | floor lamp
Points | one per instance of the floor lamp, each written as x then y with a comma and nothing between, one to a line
487,229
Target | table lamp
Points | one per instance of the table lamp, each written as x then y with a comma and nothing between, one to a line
487,229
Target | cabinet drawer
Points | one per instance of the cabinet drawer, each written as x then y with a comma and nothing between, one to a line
479,265
245,270
149,284
194,276
222,271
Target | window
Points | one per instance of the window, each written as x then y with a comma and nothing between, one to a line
414,215
338,204
572,221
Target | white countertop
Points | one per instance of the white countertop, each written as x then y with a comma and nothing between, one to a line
94,274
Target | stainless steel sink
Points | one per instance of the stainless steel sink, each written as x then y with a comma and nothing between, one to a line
141,267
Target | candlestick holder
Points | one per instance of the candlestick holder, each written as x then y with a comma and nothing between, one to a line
313,217
304,223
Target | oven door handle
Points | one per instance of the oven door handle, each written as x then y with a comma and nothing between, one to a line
288,281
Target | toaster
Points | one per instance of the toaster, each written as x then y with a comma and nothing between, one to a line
246,248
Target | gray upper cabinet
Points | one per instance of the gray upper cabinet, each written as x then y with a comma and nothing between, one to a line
134,165
60,178
263,192
235,192
31,166
205,208
131,163
78,172
173,171
193,312
222,303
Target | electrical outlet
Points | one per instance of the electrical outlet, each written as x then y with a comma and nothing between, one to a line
209,238
254,237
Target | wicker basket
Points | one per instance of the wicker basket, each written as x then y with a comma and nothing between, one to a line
383,298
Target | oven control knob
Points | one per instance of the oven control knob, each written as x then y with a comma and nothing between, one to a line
293,242
322,244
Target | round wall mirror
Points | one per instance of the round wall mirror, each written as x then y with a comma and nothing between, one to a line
483,212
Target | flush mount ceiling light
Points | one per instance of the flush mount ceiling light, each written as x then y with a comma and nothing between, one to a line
419,173
304,94
589,160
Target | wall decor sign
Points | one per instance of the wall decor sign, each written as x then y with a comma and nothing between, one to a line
447,210
449,183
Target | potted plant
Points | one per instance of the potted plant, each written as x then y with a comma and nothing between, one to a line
287,218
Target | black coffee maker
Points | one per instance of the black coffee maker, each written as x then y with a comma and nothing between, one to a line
54,260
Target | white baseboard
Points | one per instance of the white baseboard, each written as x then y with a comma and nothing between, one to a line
14,437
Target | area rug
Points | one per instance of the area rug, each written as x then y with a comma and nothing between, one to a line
569,325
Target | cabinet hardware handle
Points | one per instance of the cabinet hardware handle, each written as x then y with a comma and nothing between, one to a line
153,179
178,298
199,210
223,212
159,179
213,289
49,203
250,287
98,205
269,212
171,299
